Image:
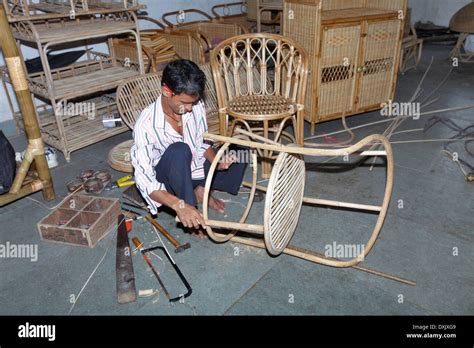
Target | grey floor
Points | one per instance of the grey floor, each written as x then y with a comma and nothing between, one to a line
418,241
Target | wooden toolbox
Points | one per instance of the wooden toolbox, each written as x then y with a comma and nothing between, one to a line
81,220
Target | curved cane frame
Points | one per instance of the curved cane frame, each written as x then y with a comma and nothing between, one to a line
207,190
301,151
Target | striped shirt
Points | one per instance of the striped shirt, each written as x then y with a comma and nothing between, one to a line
152,135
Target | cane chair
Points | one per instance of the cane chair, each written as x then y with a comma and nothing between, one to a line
267,107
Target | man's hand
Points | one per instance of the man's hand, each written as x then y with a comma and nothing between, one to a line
226,162
189,216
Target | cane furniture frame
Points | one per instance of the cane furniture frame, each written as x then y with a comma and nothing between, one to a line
286,188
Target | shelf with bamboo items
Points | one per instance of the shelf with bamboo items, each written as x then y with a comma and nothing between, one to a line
25,10
80,131
96,74
75,123
222,12
210,29
354,49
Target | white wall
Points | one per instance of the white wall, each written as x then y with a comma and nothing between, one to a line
437,11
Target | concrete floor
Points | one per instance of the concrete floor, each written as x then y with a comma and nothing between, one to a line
416,242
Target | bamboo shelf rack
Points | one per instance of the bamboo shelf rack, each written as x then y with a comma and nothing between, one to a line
90,80
354,48
24,10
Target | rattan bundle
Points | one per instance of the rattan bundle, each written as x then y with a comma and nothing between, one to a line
463,20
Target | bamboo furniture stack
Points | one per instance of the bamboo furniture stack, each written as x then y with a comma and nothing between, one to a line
354,48
186,44
211,30
89,84
222,13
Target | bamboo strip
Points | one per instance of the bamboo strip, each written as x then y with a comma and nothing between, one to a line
316,257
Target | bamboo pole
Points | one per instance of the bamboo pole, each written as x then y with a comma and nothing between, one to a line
313,256
35,149
24,191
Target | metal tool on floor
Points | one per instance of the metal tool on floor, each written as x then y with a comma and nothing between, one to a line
138,211
126,291
178,271
122,182
178,247
139,246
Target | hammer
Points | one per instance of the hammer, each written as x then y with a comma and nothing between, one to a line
179,247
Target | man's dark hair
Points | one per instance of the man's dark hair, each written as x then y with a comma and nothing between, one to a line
184,76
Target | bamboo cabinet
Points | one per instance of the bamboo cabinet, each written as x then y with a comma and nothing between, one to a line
354,53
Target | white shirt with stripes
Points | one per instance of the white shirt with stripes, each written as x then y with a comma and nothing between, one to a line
152,135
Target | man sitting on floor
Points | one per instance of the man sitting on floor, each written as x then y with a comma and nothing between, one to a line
170,157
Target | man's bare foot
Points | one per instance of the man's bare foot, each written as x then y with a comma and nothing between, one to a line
199,234
214,203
